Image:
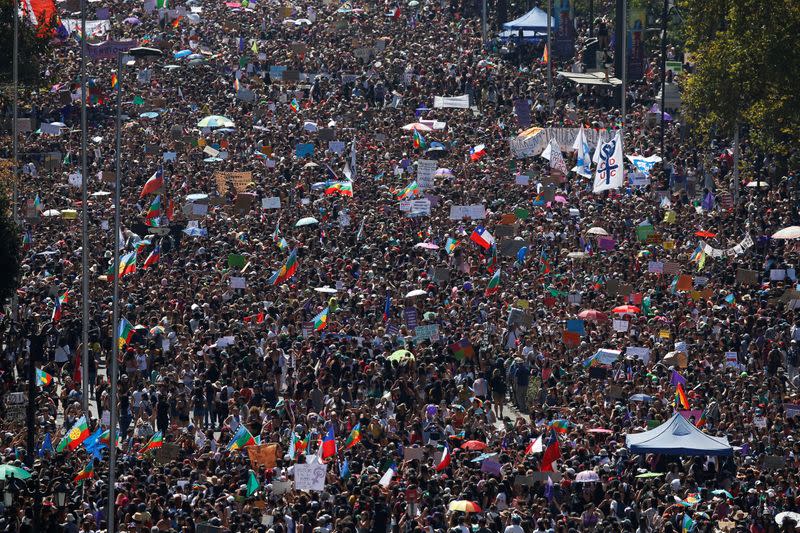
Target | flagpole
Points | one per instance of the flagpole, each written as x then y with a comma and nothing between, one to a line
112,434
624,49
549,57
14,127
84,226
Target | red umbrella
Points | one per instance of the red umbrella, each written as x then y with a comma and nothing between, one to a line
593,314
706,234
474,445
623,309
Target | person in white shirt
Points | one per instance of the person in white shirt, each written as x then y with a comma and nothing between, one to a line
515,526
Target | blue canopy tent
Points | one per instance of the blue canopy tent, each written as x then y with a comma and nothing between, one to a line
533,20
677,436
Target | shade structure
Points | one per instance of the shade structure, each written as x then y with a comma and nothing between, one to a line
593,314
677,436
535,19
474,445
587,476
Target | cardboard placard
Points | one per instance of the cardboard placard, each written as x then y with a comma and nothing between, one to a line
265,455
504,230
239,180
510,247
310,477
166,453
746,277
410,453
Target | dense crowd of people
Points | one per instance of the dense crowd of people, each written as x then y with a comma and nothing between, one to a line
502,377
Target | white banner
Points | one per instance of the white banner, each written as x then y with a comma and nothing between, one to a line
533,141
739,249
457,102
611,169
94,28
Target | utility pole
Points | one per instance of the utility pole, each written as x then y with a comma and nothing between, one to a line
623,106
84,226
664,14
549,56
483,22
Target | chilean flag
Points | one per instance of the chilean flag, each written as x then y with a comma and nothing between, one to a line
387,307
482,237
445,462
153,258
329,443
551,454
155,182
57,310
535,446
476,152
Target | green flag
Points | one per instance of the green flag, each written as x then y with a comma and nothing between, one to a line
138,100
252,484
162,4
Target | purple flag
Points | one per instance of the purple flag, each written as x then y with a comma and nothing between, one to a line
677,378
708,202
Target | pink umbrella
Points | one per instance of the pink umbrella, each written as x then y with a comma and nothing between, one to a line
560,199
600,430
426,245
593,314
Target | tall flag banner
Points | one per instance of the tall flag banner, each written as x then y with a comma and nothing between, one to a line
127,265
286,271
328,443
494,284
387,307
252,484
482,237
294,105
278,239
491,261
153,212
551,452
412,189
124,332
75,436
444,462
27,240
47,445
477,152
558,169
545,55
37,203
43,378
153,258
94,445
57,310
354,437
155,183
342,188
156,441
462,349
450,245
418,140
559,426
86,473
321,320
702,421
583,166
610,169
240,439
680,397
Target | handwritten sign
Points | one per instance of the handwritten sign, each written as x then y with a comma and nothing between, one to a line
474,212
310,477
239,180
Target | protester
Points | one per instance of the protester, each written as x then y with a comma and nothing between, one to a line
502,380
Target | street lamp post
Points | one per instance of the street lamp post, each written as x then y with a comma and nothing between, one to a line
138,52
664,15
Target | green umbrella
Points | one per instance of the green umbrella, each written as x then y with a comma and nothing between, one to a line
7,471
399,355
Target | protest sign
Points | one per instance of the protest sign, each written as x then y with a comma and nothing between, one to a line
238,180
426,168
457,102
263,455
310,477
166,453
411,453
474,212
273,202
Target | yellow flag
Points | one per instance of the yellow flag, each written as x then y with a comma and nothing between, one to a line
254,48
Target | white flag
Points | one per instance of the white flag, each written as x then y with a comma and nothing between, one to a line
600,142
610,169
386,479
558,169
583,166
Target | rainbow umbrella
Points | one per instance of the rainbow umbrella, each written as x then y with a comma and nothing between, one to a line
465,506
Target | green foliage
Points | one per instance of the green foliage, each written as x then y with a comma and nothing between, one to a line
747,68
31,47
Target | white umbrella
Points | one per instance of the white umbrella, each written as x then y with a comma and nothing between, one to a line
576,255
306,221
426,245
101,193
419,126
197,196
587,476
52,213
790,232
326,290
791,515
762,184
596,231
416,292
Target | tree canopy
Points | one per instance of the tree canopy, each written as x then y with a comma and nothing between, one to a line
746,68
31,47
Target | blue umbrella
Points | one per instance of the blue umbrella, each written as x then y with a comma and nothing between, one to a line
195,232
149,114
182,53
641,398
212,160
